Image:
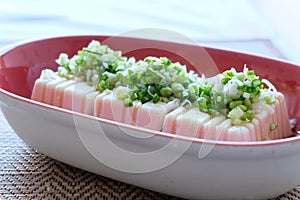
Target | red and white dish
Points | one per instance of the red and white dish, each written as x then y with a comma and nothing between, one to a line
176,165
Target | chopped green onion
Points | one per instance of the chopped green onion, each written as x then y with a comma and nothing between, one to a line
225,80
228,74
248,103
95,59
256,83
147,97
204,90
202,103
250,73
166,91
156,98
234,104
142,92
219,99
249,115
128,102
273,126
243,108
240,76
231,93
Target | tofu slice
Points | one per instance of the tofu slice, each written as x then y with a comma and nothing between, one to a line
88,103
276,113
130,113
209,128
170,122
60,91
221,129
40,92
238,134
191,123
39,89
74,96
255,131
265,119
98,102
276,118
110,107
151,115
50,89
283,124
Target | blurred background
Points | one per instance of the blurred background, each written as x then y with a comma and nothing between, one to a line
263,27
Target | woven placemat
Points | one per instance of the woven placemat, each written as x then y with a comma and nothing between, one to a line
27,174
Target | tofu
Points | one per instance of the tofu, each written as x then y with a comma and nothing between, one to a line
151,115
98,103
170,122
167,117
110,107
209,130
74,96
88,103
238,134
50,90
191,123
39,90
59,92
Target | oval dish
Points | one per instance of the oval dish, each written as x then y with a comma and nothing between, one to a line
180,166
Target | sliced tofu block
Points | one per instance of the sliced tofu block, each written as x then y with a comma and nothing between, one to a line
276,117
238,134
168,117
151,115
265,119
255,130
112,108
74,96
108,106
88,103
99,101
221,129
59,92
209,128
283,124
170,122
131,112
39,89
191,123
50,90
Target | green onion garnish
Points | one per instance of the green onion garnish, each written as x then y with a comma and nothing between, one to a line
273,126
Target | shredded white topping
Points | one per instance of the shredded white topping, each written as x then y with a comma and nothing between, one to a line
48,74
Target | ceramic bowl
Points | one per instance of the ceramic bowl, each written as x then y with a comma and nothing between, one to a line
180,166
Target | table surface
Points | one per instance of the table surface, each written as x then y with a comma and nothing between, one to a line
27,174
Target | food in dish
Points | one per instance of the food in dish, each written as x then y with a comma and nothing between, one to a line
160,95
